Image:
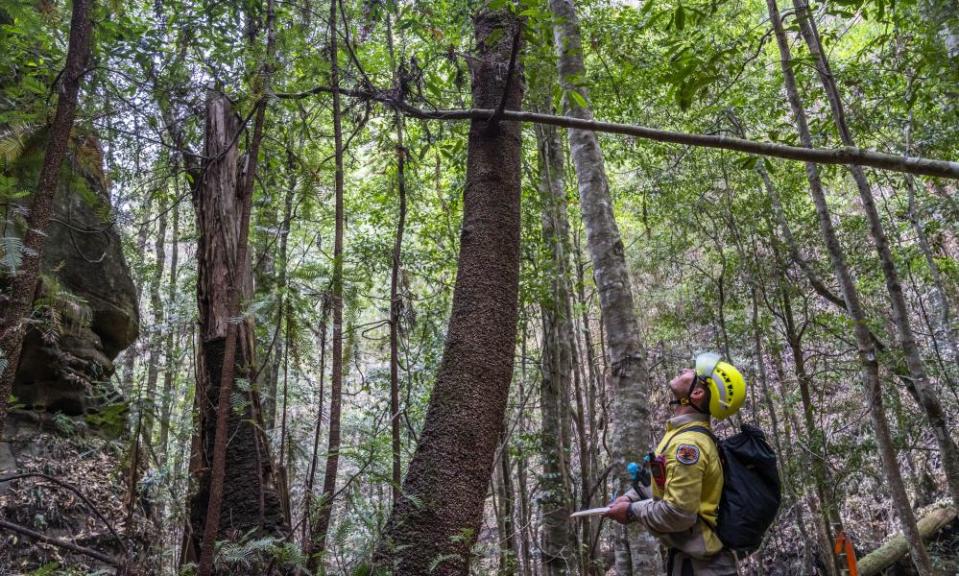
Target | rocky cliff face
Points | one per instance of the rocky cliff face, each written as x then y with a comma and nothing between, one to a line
87,302
72,427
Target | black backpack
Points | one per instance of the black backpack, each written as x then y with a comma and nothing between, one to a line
751,488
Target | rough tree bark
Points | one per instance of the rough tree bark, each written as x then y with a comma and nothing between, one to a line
558,553
324,514
24,284
628,374
864,342
921,389
437,520
248,496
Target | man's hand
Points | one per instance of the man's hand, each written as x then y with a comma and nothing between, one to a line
620,511
623,498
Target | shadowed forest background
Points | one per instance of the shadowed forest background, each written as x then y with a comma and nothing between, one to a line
359,287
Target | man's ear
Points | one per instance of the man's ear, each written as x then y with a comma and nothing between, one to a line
698,396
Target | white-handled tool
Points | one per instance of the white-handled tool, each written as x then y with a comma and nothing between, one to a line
590,512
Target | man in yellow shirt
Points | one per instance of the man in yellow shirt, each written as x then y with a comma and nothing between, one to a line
681,507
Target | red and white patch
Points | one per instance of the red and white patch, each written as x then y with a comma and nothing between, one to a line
687,454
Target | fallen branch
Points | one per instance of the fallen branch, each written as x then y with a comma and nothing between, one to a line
59,543
844,155
887,554
77,492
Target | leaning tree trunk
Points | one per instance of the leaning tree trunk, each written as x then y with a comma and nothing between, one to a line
558,552
249,498
24,285
628,372
926,397
436,521
864,342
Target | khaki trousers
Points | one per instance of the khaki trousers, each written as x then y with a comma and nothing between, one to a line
681,564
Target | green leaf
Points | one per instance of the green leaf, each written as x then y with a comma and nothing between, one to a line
679,19
578,99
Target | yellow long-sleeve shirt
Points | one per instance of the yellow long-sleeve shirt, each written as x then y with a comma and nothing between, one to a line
684,511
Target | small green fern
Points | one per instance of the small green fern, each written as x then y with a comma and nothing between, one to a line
13,140
11,253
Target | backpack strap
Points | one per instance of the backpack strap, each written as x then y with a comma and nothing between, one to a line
708,432
703,430
700,429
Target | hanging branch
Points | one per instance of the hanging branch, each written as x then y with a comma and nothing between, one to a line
842,155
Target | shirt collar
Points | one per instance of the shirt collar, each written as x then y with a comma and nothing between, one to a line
684,419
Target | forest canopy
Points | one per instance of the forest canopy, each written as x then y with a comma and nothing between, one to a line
397,286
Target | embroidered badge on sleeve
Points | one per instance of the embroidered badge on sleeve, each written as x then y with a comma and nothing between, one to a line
687,454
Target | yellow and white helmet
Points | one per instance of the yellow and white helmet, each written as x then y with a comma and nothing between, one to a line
727,387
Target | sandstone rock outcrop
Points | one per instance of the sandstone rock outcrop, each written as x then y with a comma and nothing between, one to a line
86,305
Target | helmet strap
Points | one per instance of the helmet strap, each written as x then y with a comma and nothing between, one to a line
689,395
687,399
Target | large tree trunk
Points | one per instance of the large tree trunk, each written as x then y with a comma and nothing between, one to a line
628,372
24,285
864,342
249,498
435,523
324,515
558,552
926,397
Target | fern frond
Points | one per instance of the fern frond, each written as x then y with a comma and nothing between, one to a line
13,140
11,253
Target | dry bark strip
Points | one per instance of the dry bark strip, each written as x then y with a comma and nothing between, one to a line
843,155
